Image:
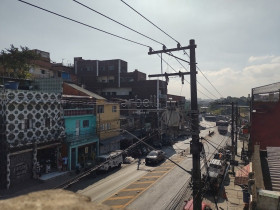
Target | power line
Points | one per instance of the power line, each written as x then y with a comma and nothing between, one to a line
84,24
117,22
184,79
149,21
140,33
209,81
196,79
169,37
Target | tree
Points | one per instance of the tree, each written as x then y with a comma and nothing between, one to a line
16,63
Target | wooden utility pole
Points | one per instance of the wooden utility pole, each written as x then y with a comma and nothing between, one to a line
232,136
195,146
236,131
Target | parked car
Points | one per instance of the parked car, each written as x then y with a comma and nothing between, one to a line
154,157
110,161
189,206
157,145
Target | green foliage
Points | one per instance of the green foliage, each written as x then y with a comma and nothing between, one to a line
16,63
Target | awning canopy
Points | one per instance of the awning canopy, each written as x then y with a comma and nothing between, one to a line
241,176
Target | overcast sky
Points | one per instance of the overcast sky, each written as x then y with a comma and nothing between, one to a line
238,41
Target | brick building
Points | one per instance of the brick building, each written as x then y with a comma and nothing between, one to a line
265,116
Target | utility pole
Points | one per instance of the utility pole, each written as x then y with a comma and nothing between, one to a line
195,145
236,124
232,136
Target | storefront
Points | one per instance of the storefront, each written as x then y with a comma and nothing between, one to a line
48,158
87,155
83,155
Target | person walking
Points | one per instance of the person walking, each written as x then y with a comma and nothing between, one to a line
138,163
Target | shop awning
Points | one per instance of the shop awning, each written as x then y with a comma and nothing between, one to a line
241,176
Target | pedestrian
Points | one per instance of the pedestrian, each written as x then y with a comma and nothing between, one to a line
60,161
138,164
78,168
38,170
65,163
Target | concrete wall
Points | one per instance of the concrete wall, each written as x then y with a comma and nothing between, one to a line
268,200
70,124
21,168
108,120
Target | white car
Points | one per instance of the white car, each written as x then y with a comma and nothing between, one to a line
110,161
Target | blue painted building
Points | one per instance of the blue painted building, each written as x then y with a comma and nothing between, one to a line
81,143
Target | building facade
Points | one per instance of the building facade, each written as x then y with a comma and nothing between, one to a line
107,118
265,116
81,142
31,131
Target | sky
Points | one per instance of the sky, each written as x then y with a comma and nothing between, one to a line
238,41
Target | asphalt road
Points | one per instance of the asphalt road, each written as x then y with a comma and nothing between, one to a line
158,187
166,193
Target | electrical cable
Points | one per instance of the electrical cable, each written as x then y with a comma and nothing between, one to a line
169,37
184,79
117,22
196,79
84,24
148,20
209,81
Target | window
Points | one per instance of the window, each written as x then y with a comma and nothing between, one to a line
26,124
100,108
85,123
109,126
111,68
114,108
102,127
111,81
43,71
114,93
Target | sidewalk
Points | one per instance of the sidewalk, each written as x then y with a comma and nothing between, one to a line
234,193
33,185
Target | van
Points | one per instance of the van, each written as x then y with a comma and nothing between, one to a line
110,160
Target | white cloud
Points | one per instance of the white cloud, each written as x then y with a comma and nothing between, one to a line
276,60
234,82
254,59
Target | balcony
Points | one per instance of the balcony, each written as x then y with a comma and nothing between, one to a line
82,138
75,112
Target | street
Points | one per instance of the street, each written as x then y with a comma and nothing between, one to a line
157,187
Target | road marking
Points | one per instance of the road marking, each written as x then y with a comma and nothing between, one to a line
158,171
150,177
134,186
146,182
166,167
118,206
120,198
133,189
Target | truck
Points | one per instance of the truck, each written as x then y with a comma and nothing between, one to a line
217,171
110,160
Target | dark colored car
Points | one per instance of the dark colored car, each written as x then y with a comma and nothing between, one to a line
154,157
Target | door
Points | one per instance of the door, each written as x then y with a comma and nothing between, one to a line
73,158
77,127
